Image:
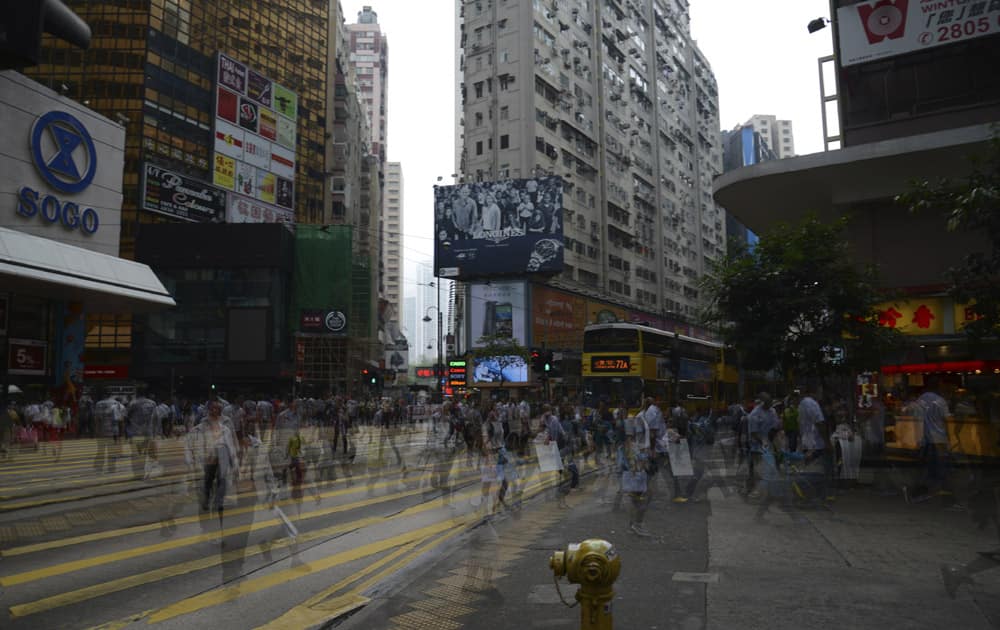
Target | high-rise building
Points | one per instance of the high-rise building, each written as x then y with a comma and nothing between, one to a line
392,238
370,58
616,98
777,133
743,146
170,71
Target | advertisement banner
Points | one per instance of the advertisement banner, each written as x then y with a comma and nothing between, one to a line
229,140
282,162
601,313
266,185
497,309
286,102
105,372
512,369
257,151
224,173
878,29
329,321
232,74
397,360
259,88
286,133
248,114
26,356
246,179
284,195
227,106
248,210
268,124
490,228
181,197
557,318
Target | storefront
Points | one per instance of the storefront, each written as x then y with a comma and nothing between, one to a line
60,221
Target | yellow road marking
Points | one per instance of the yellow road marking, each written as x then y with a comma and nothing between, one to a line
117,533
132,581
87,563
230,593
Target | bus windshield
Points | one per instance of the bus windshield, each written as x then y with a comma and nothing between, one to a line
627,390
611,340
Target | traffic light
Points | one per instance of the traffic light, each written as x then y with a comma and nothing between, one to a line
23,23
537,361
547,362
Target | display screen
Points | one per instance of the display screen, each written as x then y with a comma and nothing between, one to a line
610,364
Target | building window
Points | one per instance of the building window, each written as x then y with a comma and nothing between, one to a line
479,147
505,141
504,112
479,119
479,89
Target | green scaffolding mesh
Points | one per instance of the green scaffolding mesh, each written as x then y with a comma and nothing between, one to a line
324,273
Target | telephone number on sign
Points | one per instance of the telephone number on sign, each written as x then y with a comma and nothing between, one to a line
959,30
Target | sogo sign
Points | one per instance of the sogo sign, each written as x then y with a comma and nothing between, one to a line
57,139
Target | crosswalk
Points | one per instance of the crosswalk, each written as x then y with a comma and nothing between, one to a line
154,559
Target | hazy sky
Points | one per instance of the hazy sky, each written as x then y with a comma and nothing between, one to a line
764,60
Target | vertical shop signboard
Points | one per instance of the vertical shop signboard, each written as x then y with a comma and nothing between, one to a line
255,137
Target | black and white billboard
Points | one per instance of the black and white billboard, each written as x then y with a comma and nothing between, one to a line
485,229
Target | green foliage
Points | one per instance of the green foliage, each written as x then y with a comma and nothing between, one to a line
972,204
795,296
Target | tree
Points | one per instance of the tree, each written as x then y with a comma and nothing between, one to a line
506,351
796,302
971,204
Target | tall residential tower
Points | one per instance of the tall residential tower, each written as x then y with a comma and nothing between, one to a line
616,98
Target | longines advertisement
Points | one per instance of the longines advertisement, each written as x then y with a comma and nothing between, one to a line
506,227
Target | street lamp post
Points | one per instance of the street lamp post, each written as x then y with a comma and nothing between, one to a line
438,368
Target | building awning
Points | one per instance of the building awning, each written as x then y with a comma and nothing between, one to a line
827,183
41,267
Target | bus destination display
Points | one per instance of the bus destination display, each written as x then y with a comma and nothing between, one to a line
610,364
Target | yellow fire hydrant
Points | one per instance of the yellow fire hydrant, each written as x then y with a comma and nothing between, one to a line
594,565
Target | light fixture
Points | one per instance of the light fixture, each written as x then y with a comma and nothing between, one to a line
818,24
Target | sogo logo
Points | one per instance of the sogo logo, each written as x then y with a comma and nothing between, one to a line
56,140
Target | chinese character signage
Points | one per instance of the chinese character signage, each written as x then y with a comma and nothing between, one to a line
327,321
248,210
923,316
878,29
255,133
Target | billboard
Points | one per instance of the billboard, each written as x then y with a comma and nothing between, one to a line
181,197
242,209
877,29
557,318
485,229
254,136
497,309
511,369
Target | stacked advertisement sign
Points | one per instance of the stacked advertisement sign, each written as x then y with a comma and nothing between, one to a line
254,140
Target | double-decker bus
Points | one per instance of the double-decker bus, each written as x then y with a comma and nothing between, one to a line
625,362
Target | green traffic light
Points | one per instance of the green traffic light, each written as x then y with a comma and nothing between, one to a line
547,367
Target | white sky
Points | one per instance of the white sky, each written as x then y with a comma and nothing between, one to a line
764,60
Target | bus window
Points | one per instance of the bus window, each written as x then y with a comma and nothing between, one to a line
611,340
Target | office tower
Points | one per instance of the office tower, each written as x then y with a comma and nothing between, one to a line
777,133
617,99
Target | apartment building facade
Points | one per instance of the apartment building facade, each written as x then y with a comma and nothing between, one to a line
614,97
777,133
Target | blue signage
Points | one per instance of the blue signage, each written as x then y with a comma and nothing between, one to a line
60,163
61,170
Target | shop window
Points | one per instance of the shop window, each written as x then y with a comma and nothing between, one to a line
108,332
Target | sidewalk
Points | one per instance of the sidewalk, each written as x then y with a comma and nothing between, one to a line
869,561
